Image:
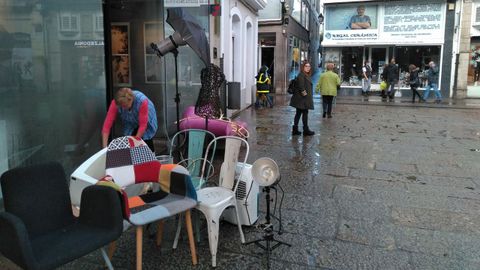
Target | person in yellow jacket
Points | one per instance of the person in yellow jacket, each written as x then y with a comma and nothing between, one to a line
263,87
327,85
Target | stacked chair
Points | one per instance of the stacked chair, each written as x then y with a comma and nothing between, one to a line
213,200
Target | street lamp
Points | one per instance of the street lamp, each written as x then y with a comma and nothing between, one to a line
320,18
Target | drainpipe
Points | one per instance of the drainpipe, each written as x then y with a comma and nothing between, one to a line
455,77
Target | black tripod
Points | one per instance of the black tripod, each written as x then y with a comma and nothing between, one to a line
268,235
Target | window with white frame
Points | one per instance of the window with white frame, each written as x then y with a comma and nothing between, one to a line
98,23
69,22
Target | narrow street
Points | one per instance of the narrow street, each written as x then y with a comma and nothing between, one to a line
379,186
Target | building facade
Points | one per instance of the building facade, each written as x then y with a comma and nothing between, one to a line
412,32
468,71
289,32
62,60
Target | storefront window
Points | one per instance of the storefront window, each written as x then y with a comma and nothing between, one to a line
293,56
297,10
53,81
474,67
420,56
305,16
351,66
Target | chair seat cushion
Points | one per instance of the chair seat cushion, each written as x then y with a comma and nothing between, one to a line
213,197
59,247
151,207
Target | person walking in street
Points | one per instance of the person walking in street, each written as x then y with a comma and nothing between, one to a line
366,78
432,82
327,85
138,115
263,88
392,79
414,82
302,99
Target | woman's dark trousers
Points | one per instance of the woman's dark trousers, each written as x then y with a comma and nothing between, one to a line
415,92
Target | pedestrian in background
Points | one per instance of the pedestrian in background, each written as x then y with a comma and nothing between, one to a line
327,85
263,88
366,78
432,82
137,113
392,79
302,99
414,82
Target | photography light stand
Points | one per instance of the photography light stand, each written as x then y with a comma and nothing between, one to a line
265,172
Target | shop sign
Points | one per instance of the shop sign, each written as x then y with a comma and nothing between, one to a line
415,22
87,43
384,24
185,3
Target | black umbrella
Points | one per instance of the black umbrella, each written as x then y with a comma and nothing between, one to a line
190,32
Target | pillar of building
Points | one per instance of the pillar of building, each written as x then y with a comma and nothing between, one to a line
464,49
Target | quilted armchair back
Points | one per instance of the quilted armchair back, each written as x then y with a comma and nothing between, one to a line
130,161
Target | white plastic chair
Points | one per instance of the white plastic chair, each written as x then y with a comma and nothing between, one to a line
212,201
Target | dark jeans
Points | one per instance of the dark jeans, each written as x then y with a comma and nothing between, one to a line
327,104
304,114
391,89
415,92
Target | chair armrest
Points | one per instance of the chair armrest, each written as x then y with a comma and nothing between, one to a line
15,242
101,206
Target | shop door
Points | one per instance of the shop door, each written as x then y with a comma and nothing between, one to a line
267,59
379,56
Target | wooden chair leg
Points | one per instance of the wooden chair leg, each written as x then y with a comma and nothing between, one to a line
160,232
191,240
139,246
111,249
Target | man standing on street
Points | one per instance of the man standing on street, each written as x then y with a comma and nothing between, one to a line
432,77
392,79
366,78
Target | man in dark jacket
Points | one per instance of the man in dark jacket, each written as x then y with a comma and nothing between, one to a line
392,78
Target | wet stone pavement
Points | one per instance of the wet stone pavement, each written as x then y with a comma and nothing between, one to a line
379,186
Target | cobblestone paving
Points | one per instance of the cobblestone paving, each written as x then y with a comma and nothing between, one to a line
379,186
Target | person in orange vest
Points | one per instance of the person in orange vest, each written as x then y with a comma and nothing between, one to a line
263,88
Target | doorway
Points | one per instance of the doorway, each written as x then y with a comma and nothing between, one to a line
379,59
268,60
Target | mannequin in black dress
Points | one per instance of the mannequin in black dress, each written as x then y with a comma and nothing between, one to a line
208,103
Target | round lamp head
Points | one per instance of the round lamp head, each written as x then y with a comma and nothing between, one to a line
265,171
